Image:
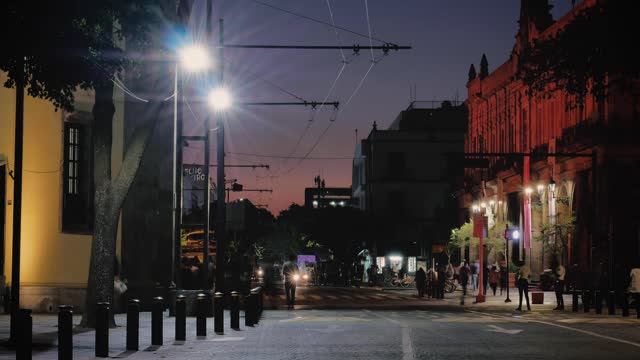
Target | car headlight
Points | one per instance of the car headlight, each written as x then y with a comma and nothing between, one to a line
296,277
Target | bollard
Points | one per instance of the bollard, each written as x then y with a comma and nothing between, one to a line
254,305
65,332
181,318
598,302
611,302
157,309
218,305
235,310
574,301
133,324
102,329
25,335
248,317
201,317
625,304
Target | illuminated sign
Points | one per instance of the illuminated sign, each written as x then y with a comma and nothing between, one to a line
411,264
380,263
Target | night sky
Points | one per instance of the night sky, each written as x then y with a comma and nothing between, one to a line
447,36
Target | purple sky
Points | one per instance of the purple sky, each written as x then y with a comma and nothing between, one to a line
447,36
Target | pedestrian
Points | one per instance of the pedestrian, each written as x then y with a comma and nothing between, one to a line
504,279
634,287
421,279
474,274
560,274
522,279
431,282
441,279
485,278
464,280
494,277
290,270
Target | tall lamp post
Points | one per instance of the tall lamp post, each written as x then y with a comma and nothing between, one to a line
191,59
509,234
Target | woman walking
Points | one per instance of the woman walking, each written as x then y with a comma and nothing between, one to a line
523,285
494,276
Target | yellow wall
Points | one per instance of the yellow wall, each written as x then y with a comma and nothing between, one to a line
49,257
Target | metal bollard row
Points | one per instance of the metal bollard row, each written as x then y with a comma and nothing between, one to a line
133,324
102,329
235,310
157,308
25,337
218,305
201,315
248,310
181,318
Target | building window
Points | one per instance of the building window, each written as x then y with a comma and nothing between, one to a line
77,187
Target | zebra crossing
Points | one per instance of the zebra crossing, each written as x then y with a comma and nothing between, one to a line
337,296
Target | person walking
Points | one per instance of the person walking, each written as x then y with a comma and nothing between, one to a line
560,274
634,287
504,279
494,277
441,280
523,285
464,280
475,268
290,270
421,279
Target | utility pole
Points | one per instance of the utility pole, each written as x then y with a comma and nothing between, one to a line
207,213
17,201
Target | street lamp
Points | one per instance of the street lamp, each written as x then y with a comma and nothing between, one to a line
540,189
528,191
194,58
475,208
191,58
220,99
552,188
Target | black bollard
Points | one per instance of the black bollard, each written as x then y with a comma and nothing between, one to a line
248,317
235,310
260,302
65,332
201,317
254,304
157,309
102,329
25,335
598,302
625,305
133,324
218,305
611,302
181,318
574,301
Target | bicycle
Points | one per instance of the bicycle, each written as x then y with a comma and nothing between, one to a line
404,282
450,285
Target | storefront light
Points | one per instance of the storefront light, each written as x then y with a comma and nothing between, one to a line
411,264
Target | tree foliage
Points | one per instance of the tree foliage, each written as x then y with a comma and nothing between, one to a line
555,235
71,44
594,48
463,236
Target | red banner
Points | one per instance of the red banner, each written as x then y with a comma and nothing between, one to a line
480,226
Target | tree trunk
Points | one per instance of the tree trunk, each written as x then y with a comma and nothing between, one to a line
109,197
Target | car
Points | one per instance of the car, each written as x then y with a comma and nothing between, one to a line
191,243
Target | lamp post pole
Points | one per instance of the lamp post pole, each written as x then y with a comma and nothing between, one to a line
220,202
506,254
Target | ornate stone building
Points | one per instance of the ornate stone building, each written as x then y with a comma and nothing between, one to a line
504,119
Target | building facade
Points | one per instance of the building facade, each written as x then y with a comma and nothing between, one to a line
404,176
57,197
583,166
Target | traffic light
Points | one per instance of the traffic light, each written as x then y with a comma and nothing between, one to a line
512,233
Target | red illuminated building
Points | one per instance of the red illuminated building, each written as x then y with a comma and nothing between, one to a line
504,118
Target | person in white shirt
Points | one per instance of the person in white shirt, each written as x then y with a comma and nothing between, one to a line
560,273
523,285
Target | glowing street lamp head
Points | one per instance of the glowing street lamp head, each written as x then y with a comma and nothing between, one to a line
540,188
220,99
483,204
194,58
528,191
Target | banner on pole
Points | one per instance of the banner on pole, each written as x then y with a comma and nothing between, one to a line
480,226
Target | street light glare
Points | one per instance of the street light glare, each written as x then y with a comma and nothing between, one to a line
220,99
194,58
528,191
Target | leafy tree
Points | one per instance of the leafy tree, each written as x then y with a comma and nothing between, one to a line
555,235
592,52
70,45
463,236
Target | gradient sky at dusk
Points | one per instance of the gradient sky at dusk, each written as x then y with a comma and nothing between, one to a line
446,35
